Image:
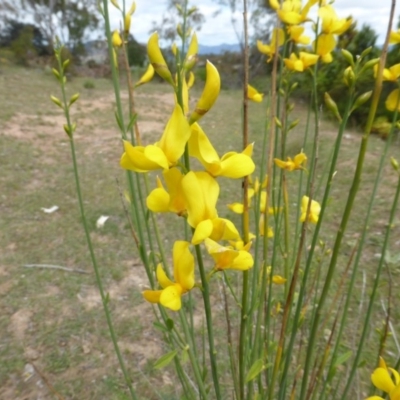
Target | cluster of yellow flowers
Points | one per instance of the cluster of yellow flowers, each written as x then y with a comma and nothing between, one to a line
194,194
293,15
187,193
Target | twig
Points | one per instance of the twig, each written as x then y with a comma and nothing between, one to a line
48,384
49,266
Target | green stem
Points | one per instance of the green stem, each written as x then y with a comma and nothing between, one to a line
346,214
193,359
210,329
104,297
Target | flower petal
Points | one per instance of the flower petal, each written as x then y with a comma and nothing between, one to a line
236,166
243,261
382,380
173,179
158,200
152,296
200,191
135,159
201,147
203,230
183,265
171,297
175,136
162,278
223,229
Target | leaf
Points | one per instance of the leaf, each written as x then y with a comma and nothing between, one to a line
343,358
255,369
160,326
131,122
170,324
164,360
121,127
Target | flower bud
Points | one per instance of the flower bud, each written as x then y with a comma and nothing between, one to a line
395,163
179,8
73,99
157,59
179,31
349,77
363,98
293,124
348,57
56,73
116,39
66,63
209,95
192,10
366,51
115,4
147,76
132,8
127,23
331,105
56,101
370,64
278,122
191,55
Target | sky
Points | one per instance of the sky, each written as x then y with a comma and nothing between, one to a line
218,30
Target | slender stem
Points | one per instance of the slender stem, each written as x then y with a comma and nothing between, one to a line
348,208
245,217
194,360
104,297
210,328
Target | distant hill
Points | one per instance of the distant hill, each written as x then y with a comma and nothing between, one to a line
219,49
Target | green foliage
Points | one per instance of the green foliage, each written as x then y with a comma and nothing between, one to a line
89,84
22,46
330,76
137,53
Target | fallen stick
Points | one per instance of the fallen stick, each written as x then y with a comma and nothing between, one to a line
79,271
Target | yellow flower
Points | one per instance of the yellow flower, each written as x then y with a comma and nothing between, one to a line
116,39
170,295
291,165
254,95
393,101
394,37
278,38
170,200
200,192
231,165
147,76
387,380
226,257
296,34
209,95
326,43
276,279
331,23
315,209
157,60
163,154
300,63
290,11
389,74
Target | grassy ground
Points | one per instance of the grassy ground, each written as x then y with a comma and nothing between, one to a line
54,339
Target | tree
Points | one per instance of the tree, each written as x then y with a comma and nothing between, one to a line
69,19
167,27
